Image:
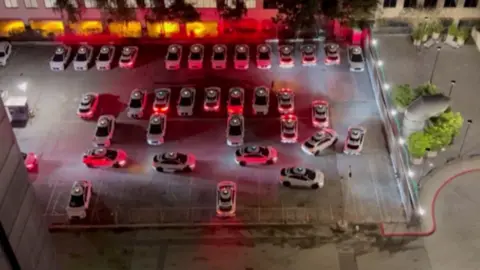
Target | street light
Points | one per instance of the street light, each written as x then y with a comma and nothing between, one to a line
435,63
452,84
469,122
380,63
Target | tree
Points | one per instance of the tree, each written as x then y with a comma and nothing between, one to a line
403,95
440,136
450,120
297,15
117,10
69,11
354,11
182,11
238,11
427,89
159,11
418,142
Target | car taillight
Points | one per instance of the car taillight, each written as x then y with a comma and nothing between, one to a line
122,162
30,166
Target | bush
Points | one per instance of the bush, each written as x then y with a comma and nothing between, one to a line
453,121
436,26
440,136
403,95
427,89
453,30
418,143
463,33
417,33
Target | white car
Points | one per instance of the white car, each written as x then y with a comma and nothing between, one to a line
332,54
226,199
235,130
302,177
235,101
172,162
104,131
355,59
157,128
261,100
256,155
286,56
195,58
60,58
320,141
219,56
105,57
88,105
241,59
320,114
264,56
286,101
173,57
84,56
80,196
137,103
186,101
212,99
128,57
309,57
5,52
289,128
161,104
354,141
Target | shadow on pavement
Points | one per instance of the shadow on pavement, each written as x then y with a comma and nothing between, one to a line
129,133
109,104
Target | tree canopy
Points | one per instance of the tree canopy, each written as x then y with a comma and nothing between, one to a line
66,7
236,12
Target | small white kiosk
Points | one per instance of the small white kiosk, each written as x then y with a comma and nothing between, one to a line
17,108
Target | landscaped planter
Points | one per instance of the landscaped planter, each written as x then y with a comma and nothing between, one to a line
417,42
436,36
416,160
460,41
432,154
425,38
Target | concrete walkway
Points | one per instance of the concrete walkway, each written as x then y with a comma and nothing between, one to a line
431,186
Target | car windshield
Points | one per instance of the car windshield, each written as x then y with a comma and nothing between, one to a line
310,174
353,146
321,140
235,130
101,132
58,57
285,54
83,110
87,102
135,103
196,56
235,101
212,98
111,154
242,56
185,101
357,58
82,57
172,56
2,54
285,98
218,56
333,56
103,57
309,144
76,200
264,56
125,60
261,100
156,128
182,158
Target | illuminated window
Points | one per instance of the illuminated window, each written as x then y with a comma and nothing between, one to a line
11,3
49,3
31,3
90,3
248,3
203,3
131,3
149,3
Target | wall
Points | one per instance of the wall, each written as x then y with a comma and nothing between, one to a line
20,217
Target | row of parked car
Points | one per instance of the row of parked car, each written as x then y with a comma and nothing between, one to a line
241,58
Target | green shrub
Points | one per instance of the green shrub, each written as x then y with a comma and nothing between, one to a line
453,30
427,89
418,142
436,26
440,136
463,33
453,121
403,95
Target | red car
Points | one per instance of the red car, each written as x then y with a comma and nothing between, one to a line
103,157
31,161
235,101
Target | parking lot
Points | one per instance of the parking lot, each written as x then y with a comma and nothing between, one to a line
138,194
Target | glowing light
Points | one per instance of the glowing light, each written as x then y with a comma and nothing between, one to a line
393,112
401,141
386,86
380,63
443,149
421,211
23,86
430,164
411,173
374,42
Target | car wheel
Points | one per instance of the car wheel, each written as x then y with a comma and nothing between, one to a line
315,186
286,183
187,169
116,165
242,163
159,169
269,162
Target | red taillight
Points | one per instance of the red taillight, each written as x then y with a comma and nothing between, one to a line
29,166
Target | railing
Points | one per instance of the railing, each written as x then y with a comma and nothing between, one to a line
398,152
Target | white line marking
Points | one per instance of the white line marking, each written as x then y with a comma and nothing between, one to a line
50,199
374,181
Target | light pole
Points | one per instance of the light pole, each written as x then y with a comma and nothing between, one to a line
439,48
469,122
452,84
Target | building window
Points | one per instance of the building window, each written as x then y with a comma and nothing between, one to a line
269,4
450,3
203,3
11,3
49,3
470,3
248,3
389,3
131,3
31,4
90,3
410,4
430,4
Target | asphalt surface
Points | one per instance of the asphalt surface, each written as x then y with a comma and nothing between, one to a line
138,194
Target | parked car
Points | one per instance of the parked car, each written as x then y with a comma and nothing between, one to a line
5,52
60,58
354,141
83,59
128,57
356,59
79,202
226,199
302,177
172,162
173,57
264,56
105,57
219,56
195,58
242,57
320,141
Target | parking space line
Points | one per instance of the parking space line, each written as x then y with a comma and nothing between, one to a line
46,212
374,181
98,189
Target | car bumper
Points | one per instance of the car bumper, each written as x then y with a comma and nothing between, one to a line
289,140
234,143
172,67
287,65
103,66
319,125
158,141
241,67
307,151
57,67
357,69
264,66
80,68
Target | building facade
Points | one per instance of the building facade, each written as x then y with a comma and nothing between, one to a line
25,242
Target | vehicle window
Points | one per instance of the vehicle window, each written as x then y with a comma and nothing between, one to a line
182,158
261,100
287,55
310,174
7,49
135,103
353,146
83,110
287,128
235,130
320,116
111,154
186,101
264,151
156,128
196,56
225,200
218,56
170,162
2,54
264,56
212,98
298,177
242,56
235,101
76,200
58,58
86,103
82,57
125,60
172,56
309,144
333,57
357,58
104,57
102,131
285,98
